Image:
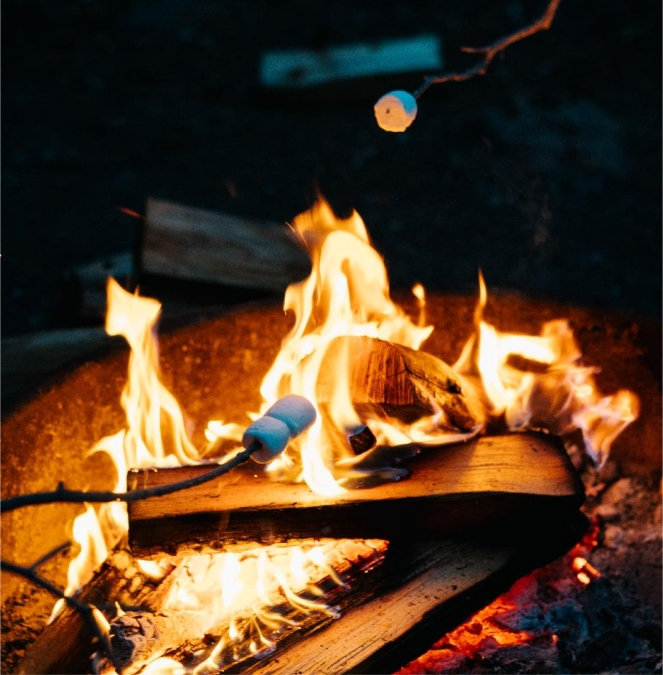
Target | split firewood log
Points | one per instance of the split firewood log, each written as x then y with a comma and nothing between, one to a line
138,637
450,489
390,380
65,644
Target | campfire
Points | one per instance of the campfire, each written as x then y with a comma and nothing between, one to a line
369,464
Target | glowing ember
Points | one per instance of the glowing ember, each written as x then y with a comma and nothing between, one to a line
536,616
585,571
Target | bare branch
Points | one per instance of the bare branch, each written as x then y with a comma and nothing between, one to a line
63,495
47,556
490,51
28,572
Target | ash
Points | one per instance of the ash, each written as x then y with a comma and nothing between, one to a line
552,622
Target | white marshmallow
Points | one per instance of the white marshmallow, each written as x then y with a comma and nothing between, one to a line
296,412
272,434
396,110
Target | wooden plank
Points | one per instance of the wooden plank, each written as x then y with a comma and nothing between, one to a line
298,68
450,488
196,244
345,644
383,633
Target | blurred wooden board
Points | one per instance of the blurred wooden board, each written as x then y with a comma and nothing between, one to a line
184,242
300,68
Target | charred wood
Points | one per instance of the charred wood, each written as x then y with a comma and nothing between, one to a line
66,644
138,637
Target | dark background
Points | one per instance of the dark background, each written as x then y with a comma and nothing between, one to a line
546,172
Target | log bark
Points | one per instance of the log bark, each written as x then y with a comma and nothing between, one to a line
195,244
387,379
65,645
450,489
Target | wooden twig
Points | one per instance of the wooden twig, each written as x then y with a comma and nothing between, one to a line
47,556
490,51
63,495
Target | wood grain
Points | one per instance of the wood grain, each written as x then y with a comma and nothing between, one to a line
388,379
342,646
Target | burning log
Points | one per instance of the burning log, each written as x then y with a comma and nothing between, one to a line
422,584
453,579
450,489
138,637
391,380
199,245
64,644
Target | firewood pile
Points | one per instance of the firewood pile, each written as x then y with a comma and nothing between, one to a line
500,549
560,623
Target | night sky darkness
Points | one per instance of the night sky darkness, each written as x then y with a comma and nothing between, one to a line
546,173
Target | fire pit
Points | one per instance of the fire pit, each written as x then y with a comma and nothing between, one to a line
215,370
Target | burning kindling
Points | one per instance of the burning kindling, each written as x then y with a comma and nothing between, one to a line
359,434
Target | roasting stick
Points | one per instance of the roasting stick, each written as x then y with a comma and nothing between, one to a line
263,440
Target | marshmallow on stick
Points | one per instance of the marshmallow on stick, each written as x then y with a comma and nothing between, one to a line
286,419
396,110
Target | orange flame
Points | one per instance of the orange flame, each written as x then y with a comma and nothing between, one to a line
556,393
346,294
152,415
210,589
